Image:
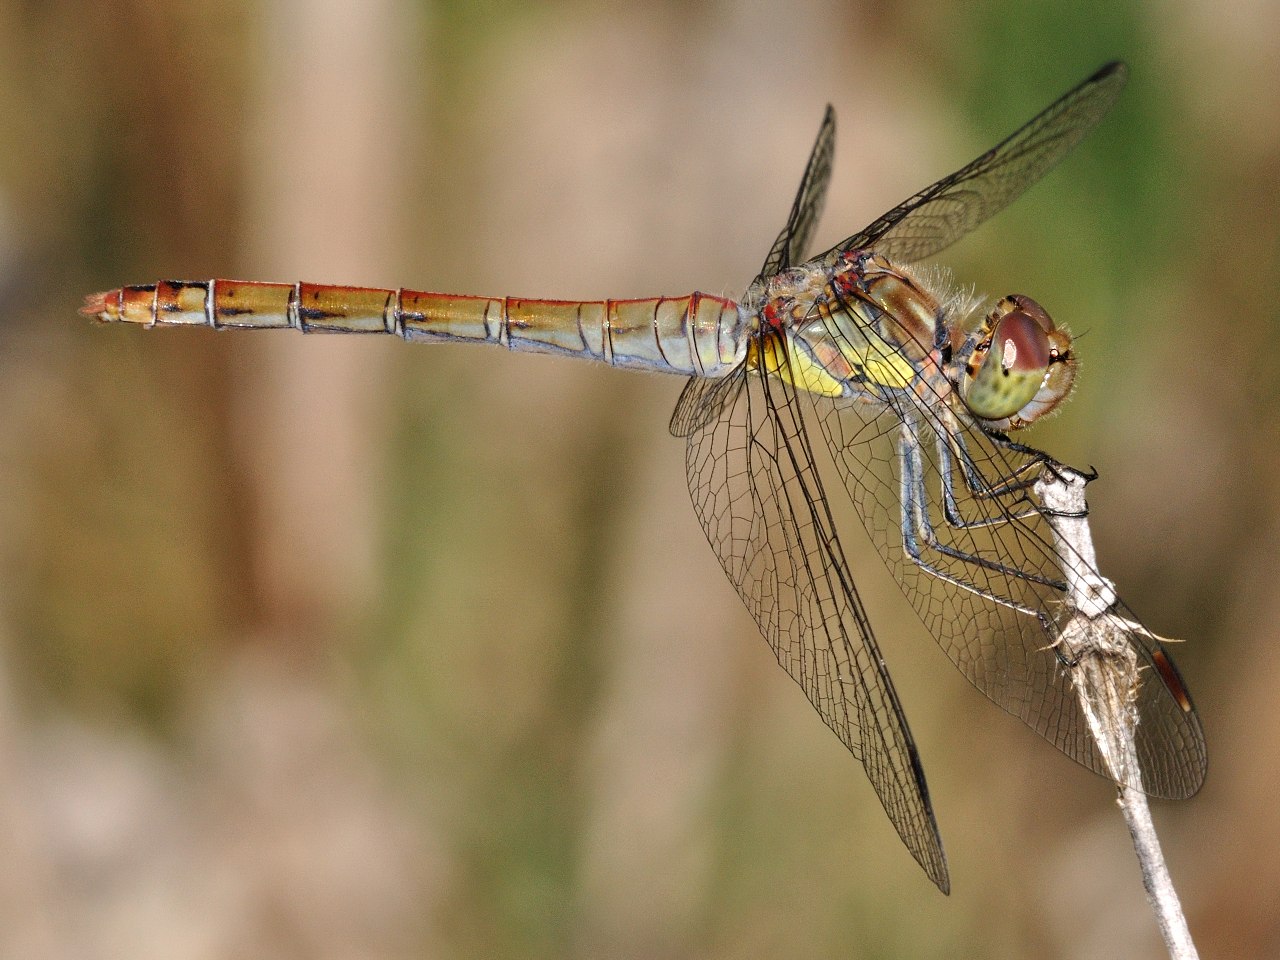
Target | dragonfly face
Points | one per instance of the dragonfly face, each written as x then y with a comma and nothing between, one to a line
1017,367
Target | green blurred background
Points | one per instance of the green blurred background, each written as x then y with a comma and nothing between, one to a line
345,648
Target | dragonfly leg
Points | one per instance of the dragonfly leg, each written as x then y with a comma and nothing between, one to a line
1016,478
953,451
1041,459
918,533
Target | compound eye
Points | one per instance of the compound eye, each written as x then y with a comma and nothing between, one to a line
1017,302
1014,368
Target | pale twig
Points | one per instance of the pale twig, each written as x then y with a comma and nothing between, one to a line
1106,677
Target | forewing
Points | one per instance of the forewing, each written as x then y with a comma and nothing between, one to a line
698,399
941,214
789,249
993,598
758,496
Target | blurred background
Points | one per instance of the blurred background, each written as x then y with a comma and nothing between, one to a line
347,648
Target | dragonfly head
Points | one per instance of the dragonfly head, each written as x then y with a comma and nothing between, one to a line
1017,366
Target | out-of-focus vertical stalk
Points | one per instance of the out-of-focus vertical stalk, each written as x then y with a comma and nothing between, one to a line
323,185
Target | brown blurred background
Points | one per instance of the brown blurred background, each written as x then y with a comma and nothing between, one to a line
345,648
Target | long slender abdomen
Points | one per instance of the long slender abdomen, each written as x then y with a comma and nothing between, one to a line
696,334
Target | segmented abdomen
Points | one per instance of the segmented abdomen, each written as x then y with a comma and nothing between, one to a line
695,334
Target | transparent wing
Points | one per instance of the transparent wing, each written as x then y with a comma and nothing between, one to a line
789,249
692,410
952,511
941,214
757,494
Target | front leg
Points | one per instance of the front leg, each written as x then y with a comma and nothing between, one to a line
954,454
918,533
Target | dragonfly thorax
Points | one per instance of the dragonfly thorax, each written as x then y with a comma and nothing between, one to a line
862,327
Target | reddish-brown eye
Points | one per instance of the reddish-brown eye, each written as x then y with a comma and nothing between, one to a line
1014,368
1022,342
1032,309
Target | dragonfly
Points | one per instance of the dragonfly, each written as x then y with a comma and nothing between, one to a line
861,368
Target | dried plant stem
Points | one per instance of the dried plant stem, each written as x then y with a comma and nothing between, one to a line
1106,679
